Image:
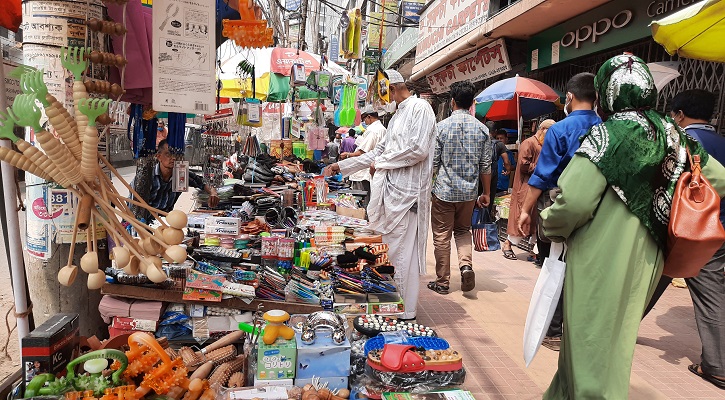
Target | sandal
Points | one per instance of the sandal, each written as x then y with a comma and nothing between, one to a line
437,288
695,369
552,343
510,254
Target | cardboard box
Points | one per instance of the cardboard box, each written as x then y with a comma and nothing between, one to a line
358,213
323,358
51,346
134,324
230,222
197,280
396,308
333,382
277,360
275,384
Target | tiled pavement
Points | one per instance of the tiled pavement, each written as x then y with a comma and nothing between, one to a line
487,325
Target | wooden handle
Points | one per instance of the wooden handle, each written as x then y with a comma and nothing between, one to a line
228,339
130,189
39,159
19,161
61,157
64,129
83,216
89,157
203,371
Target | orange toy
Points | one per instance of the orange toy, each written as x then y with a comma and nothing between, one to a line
144,354
276,327
250,30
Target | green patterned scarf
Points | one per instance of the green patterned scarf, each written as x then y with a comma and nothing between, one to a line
640,152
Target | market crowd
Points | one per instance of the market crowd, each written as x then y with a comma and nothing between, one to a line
599,182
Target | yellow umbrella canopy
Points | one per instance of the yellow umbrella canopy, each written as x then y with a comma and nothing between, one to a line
240,88
694,32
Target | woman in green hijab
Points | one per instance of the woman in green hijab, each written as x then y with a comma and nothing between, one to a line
613,212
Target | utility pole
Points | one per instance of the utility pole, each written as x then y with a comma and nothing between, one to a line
302,45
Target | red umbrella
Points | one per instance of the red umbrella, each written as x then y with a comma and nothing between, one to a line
512,98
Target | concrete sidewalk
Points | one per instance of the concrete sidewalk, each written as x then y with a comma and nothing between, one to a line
487,324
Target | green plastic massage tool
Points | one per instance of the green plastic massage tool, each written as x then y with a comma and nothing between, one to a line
91,108
73,59
26,113
43,167
32,83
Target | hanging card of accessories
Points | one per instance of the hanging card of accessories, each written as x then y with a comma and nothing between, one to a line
218,143
250,109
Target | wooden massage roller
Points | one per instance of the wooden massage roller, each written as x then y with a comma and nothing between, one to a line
74,60
107,27
104,58
59,118
221,351
72,160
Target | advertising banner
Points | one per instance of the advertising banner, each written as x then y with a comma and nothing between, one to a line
445,21
483,63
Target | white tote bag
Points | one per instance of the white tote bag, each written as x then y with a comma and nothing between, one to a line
544,300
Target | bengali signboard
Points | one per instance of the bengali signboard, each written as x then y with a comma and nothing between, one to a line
445,21
483,63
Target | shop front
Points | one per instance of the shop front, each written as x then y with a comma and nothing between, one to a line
583,43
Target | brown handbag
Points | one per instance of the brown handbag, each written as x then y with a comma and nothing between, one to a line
694,232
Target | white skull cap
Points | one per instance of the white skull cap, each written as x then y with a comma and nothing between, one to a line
394,76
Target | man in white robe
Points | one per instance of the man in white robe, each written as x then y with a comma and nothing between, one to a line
399,207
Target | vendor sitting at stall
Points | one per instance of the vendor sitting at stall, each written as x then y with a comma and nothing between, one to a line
161,195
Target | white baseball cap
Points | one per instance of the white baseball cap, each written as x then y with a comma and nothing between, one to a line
394,76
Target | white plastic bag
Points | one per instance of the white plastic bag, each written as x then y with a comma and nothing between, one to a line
544,300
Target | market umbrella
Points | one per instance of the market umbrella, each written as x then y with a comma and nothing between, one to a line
511,98
694,32
664,72
267,62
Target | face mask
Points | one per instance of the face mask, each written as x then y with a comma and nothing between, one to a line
161,128
566,106
364,125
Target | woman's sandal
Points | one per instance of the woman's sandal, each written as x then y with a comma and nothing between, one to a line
695,369
437,288
510,254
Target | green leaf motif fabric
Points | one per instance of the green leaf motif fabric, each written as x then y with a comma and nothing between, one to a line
641,152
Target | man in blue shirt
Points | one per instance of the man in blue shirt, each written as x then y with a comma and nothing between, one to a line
692,110
560,143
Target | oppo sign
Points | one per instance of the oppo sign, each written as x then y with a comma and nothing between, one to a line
596,29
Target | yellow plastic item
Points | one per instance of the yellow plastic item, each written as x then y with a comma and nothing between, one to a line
275,326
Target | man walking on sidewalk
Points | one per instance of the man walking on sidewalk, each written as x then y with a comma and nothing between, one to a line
462,158
560,143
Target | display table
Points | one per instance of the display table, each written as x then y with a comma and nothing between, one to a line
171,296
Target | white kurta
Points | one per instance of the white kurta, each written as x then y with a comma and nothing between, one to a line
367,143
402,183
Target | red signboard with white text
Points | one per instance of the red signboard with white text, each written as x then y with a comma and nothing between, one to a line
284,58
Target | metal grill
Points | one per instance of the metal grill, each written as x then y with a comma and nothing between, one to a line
696,74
